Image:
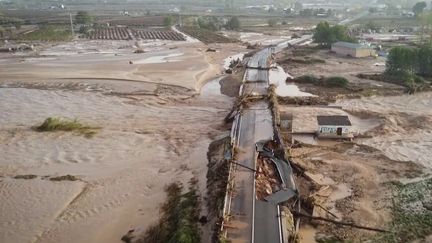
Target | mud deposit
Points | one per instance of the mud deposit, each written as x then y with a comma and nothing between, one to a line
120,172
354,179
405,133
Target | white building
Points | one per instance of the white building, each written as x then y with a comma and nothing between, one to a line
334,127
352,49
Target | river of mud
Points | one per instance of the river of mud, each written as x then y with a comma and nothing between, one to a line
121,171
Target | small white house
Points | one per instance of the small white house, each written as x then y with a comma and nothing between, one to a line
334,127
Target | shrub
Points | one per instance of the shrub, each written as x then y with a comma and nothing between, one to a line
179,220
27,177
336,82
52,124
83,17
168,21
272,22
233,23
310,79
414,83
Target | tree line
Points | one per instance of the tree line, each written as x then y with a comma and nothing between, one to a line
410,60
409,65
325,35
214,23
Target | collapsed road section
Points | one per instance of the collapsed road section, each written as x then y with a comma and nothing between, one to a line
249,217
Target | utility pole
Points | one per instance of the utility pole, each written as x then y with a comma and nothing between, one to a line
71,23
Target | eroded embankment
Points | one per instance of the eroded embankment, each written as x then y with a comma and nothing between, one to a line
184,217
218,182
179,217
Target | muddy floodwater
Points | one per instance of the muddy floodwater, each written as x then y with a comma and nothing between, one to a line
406,131
121,171
279,77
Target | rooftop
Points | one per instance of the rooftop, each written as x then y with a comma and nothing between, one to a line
349,45
333,120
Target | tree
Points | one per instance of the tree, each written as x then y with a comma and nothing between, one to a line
414,83
83,17
425,20
404,64
401,61
233,23
272,22
424,59
168,21
325,35
371,25
209,23
418,8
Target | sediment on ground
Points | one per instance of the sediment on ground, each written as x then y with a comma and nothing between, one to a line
219,155
230,84
179,220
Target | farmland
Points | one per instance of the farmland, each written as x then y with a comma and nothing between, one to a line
207,36
123,33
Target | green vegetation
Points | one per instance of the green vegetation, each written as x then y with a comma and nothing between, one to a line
425,20
209,23
325,35
26,177
214,23
10,22
223,239
217,174
306,60
335,82
272,22
64,178
372,25
233,23
83,17
424,60
309,79
168,21
401,59
407,66
412,215
179,220
418,8
331,82
48,33
53,124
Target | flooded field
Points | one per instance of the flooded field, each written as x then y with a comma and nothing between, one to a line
152,130
124,167
278,77
406,129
